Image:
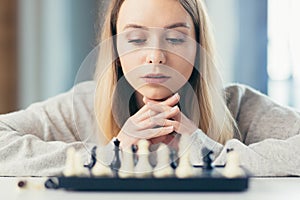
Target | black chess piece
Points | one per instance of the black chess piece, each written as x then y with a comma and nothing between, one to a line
116,163
173,158
134,149
93,160
207,161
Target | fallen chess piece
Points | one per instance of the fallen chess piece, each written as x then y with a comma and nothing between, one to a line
31,185
232,168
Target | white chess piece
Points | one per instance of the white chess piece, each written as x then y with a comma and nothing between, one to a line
127,164
70,163
74,165
185,168
101,170
163,168
143,169
232,168
79,168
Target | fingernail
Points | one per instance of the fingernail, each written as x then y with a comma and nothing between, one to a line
176,96
174,108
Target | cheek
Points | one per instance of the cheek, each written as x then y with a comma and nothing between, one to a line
182,66
128,62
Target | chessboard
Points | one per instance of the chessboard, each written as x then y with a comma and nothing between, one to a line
133,172
202,183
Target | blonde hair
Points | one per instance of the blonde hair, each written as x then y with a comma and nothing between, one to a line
205,83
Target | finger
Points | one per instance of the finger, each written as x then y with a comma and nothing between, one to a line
155,109
173,123
141,111
169,114
166,139
155,132
152,123
158,107
146,114
171,101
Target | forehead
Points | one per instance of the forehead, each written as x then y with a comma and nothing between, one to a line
152,13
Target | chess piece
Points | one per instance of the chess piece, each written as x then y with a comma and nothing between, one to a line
116,163
74,165
185,168
207,161
31,185
70,163
232,168
79,168
127,164
134,149
93,160
163,167
101,170
173,158
143,168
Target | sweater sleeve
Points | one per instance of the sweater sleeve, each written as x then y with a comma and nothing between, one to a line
33,142
270,134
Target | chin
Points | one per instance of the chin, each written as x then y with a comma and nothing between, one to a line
155,93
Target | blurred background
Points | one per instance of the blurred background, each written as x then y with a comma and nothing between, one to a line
44,42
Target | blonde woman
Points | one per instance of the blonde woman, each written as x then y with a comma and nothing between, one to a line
155,79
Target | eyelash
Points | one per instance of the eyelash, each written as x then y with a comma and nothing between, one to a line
173,41
137,41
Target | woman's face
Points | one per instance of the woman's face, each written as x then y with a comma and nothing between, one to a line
156,45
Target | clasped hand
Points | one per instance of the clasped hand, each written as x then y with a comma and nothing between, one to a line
156,122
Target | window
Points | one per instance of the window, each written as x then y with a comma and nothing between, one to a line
283,50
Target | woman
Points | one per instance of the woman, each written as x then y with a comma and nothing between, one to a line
155,78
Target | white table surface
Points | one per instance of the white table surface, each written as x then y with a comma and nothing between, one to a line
259,188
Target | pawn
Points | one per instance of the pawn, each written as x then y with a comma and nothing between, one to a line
232,168
31,185
79,168
74,165
69,169
143,168
163,167
127,164
185,168
101,170
207,161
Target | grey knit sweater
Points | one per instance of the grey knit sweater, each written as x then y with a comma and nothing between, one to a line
33,142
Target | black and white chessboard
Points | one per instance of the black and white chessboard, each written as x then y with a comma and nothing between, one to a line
204,178
205,181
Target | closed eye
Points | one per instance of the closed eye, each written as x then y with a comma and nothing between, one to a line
175,40
137,41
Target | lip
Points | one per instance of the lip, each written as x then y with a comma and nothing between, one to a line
155,78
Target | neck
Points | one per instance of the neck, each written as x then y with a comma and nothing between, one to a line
139,100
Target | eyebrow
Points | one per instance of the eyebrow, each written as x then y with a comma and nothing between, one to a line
176,25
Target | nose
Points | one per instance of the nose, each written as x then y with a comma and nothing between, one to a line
155,56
